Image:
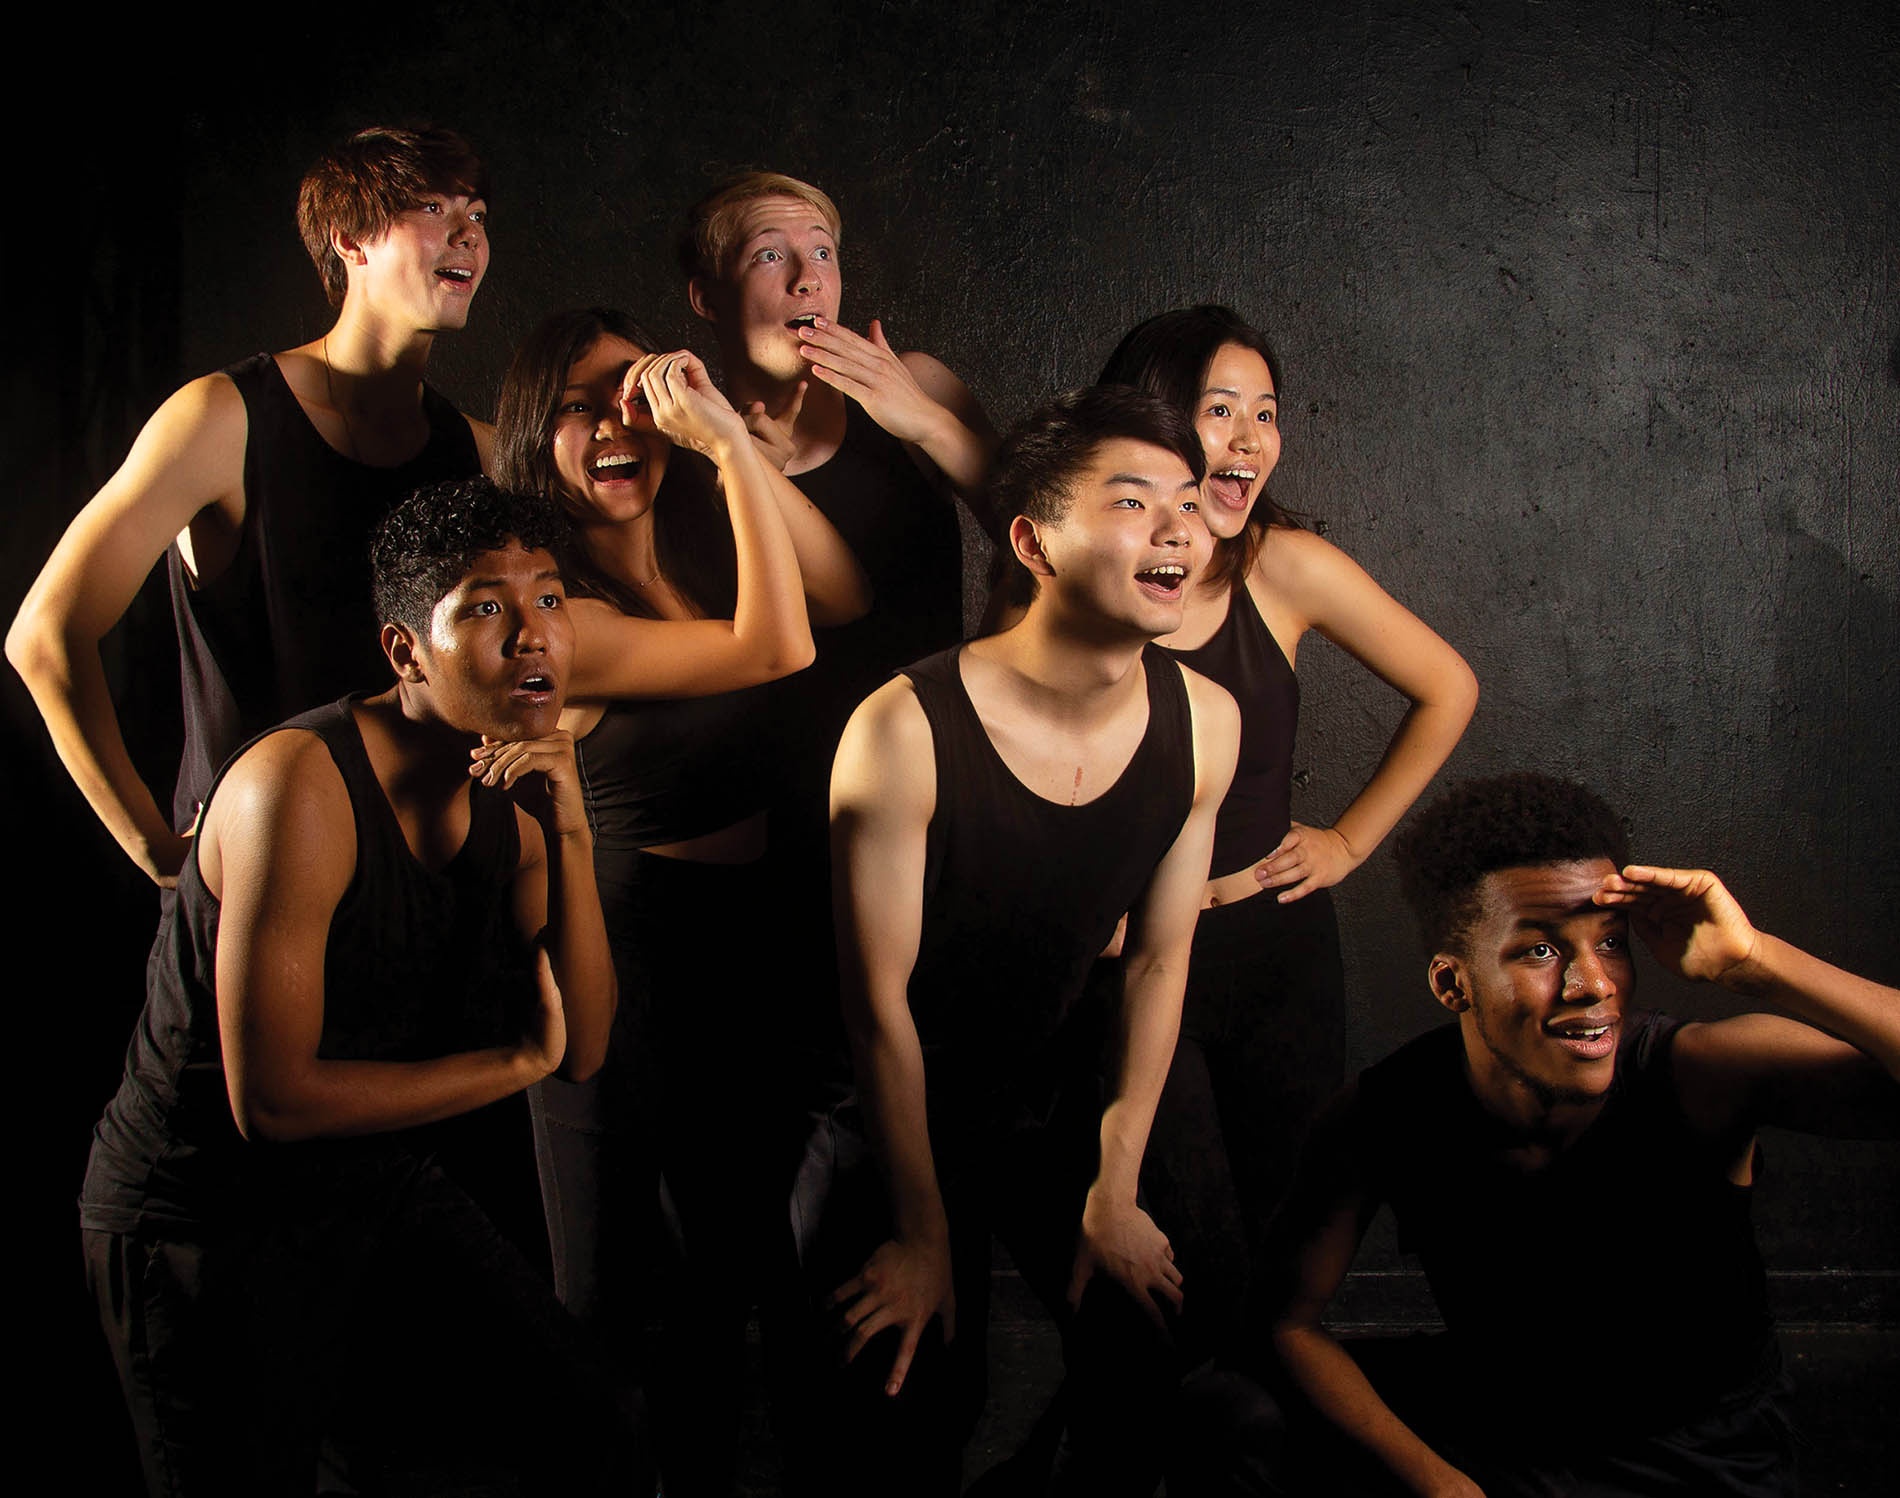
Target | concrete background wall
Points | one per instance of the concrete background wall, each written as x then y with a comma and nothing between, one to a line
1589,313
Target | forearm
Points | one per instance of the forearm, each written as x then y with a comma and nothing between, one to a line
1149,1023
338,1099
836,589
67,681
1863,1013
580,962
1340,1392
769,615
889,1064
961,454
1426,736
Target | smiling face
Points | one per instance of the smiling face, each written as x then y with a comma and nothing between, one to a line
784,268
1123,550
428,264
608,471
1237,417
1540,987
496,657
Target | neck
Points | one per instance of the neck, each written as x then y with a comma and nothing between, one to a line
426,759
1073,677
1541,1119
627,552
373,364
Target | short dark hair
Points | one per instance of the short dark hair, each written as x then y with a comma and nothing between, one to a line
691,531
359,186
1168,356
1036,467
426,545
1481,826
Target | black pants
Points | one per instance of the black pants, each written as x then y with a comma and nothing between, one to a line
664,1176
1238,1440
1262,1049
1023,1176
231,1341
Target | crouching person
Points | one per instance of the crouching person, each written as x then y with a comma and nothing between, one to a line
1573,1174
387,918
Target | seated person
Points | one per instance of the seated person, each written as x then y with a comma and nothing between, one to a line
995,810
388,918
1573,1172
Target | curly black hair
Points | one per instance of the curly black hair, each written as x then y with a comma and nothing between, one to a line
424,546
1481,826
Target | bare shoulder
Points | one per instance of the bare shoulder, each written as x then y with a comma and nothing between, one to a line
936,378
1297,564
887,754
1216,718
282,805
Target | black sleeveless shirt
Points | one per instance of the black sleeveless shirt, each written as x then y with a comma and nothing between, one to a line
1020,893
419,964
1243,657
288,625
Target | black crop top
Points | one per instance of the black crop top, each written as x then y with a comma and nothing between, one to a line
1243,657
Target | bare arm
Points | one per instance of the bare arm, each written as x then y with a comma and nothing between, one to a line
1321,1225
189,459
1303,582
769,634
1117,1236
1761,1068
883,792
280,851
557,904
836,589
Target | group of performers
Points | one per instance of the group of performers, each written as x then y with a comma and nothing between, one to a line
629,752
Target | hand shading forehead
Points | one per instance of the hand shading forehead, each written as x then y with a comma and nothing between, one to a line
1546,893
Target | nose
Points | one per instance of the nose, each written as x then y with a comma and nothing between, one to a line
1171,526
1245,437
531,631
1587,978
807,281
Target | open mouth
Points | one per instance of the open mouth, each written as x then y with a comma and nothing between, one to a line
1166,580
537,687
803,320
1231,486
456,275
1587,1040
615,468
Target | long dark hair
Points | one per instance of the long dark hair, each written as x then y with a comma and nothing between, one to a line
692,533
1168,356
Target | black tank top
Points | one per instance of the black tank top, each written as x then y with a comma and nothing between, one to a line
1243,657
288,624
667,770
419,964
1021,894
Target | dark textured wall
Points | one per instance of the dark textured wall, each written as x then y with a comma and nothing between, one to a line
1589,315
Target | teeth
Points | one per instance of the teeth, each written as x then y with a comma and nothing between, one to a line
804,320
457,275
1244,474
1167,569
616,460
1594,1034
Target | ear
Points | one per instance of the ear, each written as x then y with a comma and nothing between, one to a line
1026,541
404,653
1450,984
699,294
348,250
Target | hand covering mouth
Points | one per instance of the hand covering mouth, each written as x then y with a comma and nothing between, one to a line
803,320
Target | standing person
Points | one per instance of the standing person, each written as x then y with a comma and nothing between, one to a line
387,918
1263,1032
995,811
697,563
880,441
260,486
1574,1175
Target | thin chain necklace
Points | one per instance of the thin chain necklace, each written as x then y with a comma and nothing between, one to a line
329,391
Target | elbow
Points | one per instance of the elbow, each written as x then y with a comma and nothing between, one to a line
792,656
34,648
263,1121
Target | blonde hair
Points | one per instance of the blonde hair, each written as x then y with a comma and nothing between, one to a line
712,224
